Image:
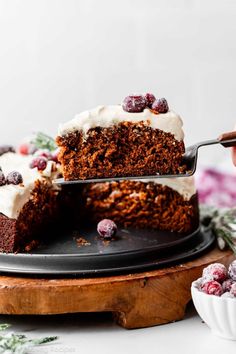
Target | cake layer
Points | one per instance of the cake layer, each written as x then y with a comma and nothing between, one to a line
125,149
27,209
40,213
143,205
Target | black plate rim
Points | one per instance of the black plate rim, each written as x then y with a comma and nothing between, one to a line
137,251
207,242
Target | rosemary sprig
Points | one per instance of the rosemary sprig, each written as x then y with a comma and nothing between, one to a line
223,224
43,141
4,326
18,343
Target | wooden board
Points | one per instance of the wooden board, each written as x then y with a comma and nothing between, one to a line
136,300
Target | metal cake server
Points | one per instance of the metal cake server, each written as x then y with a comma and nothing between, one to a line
189,159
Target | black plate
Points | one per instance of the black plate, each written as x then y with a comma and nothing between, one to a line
131,250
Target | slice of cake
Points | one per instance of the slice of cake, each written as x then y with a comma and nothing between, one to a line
139,138
28,201
163,204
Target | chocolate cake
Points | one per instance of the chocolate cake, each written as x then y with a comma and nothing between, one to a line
165,204
29,202
113,141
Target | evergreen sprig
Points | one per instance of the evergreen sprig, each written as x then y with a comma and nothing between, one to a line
44,141
223,224
19,343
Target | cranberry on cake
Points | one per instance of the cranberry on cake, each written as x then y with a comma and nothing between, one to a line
163,204
28,199
141,137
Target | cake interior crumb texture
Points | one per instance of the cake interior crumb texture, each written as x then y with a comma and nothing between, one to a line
37,217
126,149
141,205
108,141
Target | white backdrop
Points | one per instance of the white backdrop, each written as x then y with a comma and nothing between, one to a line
58,57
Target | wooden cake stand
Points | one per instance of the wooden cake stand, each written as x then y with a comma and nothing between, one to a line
136,300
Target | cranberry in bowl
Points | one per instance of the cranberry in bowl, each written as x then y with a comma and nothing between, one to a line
214,297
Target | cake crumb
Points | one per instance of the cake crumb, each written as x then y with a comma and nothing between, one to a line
82,242
106,242
31,245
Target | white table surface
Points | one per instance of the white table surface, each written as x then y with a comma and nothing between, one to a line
98,334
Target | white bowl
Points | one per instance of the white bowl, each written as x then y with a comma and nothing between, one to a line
219,313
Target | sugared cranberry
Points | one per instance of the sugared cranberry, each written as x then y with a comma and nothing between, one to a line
23,149
215,271
40,162
2,179
233,289
6,148
44,153
160,105
232,270
226,285
106,228
134,103
212,287
14,177
150,99
199,282
26,149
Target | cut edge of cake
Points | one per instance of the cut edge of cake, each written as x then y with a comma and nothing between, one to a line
28,208
170,205
110,142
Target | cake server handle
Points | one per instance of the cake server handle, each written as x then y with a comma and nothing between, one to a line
228,139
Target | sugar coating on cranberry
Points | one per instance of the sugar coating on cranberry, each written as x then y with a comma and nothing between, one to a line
14,177
232,270
2,179
212,287
6,148
150,99
160,105
233,289
40,162
227,284
134,103
215,271
106,228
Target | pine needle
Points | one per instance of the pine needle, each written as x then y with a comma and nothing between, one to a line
223,225
19,343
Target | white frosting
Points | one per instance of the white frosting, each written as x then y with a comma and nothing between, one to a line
106,116
185,186
13,197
